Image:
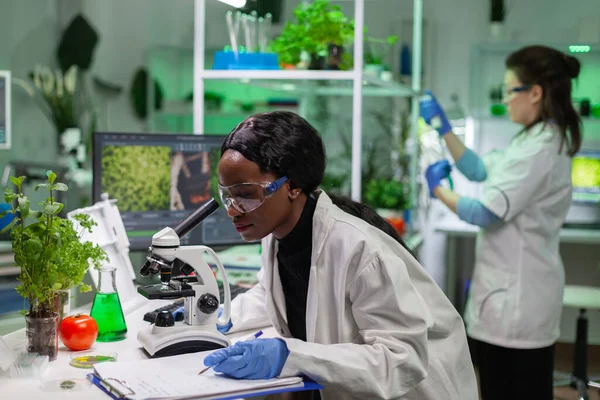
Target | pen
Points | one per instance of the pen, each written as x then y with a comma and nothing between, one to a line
255,336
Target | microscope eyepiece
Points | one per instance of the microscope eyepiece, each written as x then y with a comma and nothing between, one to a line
196,218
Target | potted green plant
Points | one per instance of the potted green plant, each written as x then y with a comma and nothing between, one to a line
321,30
52,257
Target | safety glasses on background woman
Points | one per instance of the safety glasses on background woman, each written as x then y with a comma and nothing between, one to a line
517,89
247,197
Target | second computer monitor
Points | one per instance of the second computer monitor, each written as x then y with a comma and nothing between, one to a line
158,180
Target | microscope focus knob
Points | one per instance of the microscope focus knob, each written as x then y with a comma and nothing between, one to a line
164,318
208,303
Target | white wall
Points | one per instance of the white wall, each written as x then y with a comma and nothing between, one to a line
28,35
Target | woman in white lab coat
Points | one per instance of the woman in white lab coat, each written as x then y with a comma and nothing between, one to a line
515,299
354,309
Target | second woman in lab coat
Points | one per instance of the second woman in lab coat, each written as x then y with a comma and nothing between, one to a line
355,310
515,299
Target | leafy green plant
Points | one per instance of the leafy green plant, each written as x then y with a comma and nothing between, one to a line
389,194
377,50
375,167
49,250
318,25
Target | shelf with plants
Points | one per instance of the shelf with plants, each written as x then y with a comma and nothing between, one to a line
315,56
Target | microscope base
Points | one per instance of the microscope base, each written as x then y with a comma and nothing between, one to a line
180,339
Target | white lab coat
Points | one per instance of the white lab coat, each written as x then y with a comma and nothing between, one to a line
378,327
516,290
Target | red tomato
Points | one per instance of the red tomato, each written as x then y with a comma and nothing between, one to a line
78,332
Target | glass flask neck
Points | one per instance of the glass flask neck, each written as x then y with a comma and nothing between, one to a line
107,281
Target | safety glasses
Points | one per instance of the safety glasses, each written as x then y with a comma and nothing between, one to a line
246,197
517,89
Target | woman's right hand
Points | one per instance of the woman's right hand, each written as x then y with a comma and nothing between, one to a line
433,114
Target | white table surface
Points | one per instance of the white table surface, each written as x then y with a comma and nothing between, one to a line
59,369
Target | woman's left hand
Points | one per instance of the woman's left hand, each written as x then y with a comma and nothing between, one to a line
435,173
251,359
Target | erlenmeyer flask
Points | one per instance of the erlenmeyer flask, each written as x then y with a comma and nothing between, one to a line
106,309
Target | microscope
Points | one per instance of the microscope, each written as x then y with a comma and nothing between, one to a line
184,273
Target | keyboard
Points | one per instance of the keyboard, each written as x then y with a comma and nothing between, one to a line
150,316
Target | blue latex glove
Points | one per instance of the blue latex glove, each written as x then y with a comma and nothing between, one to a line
435,173
250,359
224,328
433,114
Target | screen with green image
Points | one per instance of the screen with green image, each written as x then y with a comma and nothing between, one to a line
585,172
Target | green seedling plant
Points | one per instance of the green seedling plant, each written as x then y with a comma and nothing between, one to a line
47,247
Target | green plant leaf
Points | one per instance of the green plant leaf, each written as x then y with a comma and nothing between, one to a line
85,288
34,247
9,195
18,182
61,187
10,225
60,207
24,204
52,209
51,176
44,185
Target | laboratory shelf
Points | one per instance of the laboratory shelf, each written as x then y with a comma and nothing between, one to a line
354,84
371,87
275,74
339,83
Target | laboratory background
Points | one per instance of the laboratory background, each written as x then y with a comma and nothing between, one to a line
128,102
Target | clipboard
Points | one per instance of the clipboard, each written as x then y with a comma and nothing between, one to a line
119,390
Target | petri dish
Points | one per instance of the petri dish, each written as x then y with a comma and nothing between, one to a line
66,385
87,359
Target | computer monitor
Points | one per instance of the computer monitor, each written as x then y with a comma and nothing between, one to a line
585,176
158,180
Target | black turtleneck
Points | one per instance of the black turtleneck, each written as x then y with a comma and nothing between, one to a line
293,258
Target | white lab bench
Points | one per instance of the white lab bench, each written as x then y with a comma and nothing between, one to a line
460,244
60,370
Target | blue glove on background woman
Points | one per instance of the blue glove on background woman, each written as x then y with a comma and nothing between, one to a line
435,173
433,113
250,359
